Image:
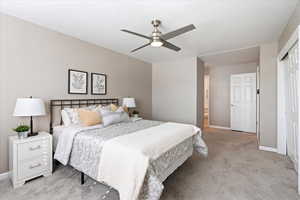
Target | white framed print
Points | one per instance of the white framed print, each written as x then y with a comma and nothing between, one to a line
77,82
99,84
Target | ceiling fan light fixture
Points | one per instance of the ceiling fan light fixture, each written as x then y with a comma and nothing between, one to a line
157,39
156,43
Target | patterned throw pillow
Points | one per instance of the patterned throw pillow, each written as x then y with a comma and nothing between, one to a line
72,113
114,108
125,109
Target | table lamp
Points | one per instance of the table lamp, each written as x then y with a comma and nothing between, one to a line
129,102
29,107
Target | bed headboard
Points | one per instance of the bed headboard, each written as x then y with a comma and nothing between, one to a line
60,104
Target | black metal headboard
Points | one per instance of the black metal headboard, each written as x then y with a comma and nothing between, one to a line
76,103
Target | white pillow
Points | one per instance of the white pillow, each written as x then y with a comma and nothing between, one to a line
65,118
125,117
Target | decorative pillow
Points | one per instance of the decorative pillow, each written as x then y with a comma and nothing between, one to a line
65,118
125,117
73,113
88,117
125,109
103,109
109,117
113,107
119,109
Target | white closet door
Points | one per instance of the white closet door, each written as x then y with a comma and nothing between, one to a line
291,75
243,102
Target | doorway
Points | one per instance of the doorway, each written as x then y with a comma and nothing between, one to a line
206,101
243,102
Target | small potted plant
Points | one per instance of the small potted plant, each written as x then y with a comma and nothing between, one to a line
135,113
22,131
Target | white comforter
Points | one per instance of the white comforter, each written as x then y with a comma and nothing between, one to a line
125,159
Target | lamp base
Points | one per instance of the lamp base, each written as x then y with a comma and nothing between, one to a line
31,129
32,134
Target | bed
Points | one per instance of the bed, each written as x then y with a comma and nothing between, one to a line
86,146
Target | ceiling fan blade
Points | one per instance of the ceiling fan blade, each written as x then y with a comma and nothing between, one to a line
178,32
140,47
170,46
137,34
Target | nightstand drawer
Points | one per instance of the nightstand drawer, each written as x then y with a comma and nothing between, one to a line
33,168
32,149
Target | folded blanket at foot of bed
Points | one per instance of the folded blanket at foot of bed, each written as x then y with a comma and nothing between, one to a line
125,159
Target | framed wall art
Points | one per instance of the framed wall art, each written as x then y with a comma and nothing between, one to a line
77,82
99,84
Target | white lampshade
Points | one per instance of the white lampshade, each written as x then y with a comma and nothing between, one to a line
29,107
129,102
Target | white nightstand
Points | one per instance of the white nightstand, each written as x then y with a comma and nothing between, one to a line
30,157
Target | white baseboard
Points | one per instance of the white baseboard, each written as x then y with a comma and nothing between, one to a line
264,148
219,127
4,176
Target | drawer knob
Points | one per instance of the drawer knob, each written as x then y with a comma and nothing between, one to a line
35,148
35,166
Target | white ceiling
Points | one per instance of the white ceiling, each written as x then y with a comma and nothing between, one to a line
221,24
249,55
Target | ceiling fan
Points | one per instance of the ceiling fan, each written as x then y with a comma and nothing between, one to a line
157,39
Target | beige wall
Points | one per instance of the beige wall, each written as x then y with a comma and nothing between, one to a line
3,155
35,61
293,23
174,91
268,94
219,91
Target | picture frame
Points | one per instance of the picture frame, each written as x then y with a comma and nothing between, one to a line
98,84
77,82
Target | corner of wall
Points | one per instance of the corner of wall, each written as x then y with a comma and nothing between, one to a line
268,94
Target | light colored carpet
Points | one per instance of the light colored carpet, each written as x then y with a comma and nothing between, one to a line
234,170
64,184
